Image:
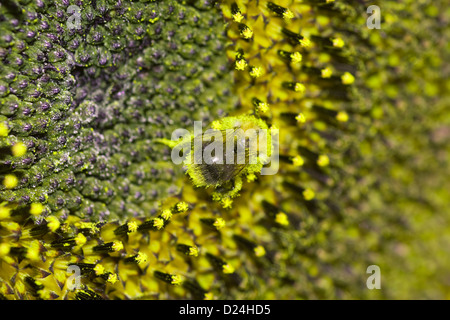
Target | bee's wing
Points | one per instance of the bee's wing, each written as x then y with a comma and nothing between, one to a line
219,172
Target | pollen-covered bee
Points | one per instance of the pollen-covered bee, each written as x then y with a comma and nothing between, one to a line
219,157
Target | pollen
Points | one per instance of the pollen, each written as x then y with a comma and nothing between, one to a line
182,206
228,268
323,160
219,223
176,280
158,223
36,209
227,202
256,72
112,278
99,269
298,161
347,78
10,181
247,33
241,65
308,194
296,57
237,17
53,223
299,87
251,177
305,42
19,149
342,116
132,226
259,251
338,42
300,118
80,239
117,245
326,72
193,251
166,214
288,15
141,257
282,219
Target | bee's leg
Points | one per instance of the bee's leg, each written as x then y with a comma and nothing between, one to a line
226,199
237,187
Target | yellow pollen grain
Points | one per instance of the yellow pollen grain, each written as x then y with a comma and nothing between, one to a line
338,42
112,278
176,280
80,239
347,78
182,206
256,72
296,57
298,161
193,251
237,17
53,223
241,65
300,118
141,257
247,33
10,181
288,15
158,223
166,214
99,269
259,251
326,72
323,160
117,245
282,219
227,268
19,149
219,223
308,194
299,87
132,226
36,209
227,202
342,116
305,42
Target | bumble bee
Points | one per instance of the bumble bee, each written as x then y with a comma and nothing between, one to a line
219,157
